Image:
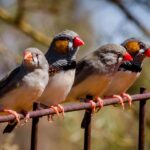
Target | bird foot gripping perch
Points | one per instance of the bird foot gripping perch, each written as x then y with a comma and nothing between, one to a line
100,102
93,109
128,97
120,100
93,105
26,118
57,110
123,95
12,124
13,113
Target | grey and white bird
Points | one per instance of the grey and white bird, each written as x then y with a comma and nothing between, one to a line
95,71
21,87
128,71
61,57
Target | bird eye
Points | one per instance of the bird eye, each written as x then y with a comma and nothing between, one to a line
37,55
61,46
142,46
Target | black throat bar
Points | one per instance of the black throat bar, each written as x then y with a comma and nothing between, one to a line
53,70
69,66
130,66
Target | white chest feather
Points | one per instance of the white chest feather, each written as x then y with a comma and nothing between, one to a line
121,82
94,85
58,88
22,97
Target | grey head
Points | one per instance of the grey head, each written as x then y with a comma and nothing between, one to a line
63,48
137,49
34,59
110,56
104,60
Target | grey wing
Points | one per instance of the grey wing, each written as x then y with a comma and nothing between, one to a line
10,81
83,69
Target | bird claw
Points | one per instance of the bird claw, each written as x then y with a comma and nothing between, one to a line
120,100
61,108
17,117
93,105
27,117
57,109
128,97
100,102
51,117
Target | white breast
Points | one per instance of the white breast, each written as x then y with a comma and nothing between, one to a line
58,88
94,85
121,82
22,97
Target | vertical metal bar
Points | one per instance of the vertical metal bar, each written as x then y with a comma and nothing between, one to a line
86,124
34,134
142,107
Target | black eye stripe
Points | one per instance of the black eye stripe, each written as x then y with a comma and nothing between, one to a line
142,45
37,56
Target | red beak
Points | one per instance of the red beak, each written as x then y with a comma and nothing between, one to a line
77,42
147,52
127,57
28,56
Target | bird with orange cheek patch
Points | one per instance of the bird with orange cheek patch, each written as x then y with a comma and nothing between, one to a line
61,57
129,71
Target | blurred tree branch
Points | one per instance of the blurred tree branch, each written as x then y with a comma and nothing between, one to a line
24,27
20,11
120,4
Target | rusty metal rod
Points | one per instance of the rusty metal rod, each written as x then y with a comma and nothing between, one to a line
87,129
34,130
142,107
75,107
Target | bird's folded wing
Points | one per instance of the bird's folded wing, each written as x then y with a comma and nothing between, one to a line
9,81
130,66
83,70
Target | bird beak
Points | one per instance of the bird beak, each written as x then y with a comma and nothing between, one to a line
28,56
147,52
77,42
127,57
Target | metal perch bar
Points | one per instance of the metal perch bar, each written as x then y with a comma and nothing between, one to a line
87,130
75,107
142,108
34,130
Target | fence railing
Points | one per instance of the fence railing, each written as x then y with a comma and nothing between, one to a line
36,114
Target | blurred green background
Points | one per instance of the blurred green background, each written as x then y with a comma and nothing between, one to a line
30,23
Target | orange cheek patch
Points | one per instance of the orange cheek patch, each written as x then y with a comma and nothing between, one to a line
132,47
61,46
